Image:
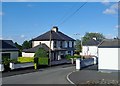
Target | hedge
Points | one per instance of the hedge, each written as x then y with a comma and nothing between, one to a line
25,59
43,61
69,57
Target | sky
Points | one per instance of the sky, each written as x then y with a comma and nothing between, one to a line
26,20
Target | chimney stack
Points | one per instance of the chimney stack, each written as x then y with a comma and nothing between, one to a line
94,38
55,29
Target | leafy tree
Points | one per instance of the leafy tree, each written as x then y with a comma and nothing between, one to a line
41,52
19,47
78,46
26,44
99,37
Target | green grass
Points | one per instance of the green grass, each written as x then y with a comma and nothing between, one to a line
25,59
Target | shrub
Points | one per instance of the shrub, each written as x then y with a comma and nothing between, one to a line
69,56
43,61
25,59
41,52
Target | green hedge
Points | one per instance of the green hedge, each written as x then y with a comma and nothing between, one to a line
43,61
25,59
69,57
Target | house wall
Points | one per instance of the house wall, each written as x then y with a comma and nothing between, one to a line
90,50
27,54
108,59
35,43
13,55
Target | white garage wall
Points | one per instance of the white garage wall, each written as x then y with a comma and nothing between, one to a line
108,59
27,54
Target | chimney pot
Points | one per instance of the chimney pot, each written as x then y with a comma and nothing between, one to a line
55,29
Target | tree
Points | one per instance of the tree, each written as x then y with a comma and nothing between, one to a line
41,52
78,46
26,44
99,37
19,47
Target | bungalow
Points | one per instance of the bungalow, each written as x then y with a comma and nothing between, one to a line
54,40
108,55
90,48
8,50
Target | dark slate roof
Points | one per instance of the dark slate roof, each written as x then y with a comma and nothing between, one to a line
91,42
34,49
54,36
7,45
110,43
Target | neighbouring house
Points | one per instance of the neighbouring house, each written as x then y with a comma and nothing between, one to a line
109,55
8,50
54,40
90,48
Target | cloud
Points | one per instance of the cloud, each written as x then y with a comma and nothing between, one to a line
117,26
113,9
105,2
22,36
1,13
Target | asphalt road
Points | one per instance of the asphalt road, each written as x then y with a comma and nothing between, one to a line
53,75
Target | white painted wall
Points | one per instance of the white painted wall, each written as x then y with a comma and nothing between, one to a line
93,50
13,55
35,43
108,59
27,54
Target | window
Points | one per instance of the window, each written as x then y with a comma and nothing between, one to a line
72,44
61,44
55,44
68,44
69,52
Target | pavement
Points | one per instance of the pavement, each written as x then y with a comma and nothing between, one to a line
48,75
90,74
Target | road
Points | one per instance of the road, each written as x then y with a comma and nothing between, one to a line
53,75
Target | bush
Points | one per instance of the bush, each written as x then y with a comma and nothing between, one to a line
14,61
41,52
69,56
43,61
25,59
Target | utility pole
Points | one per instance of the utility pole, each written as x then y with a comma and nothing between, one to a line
50,49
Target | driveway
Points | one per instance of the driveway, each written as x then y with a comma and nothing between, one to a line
53,75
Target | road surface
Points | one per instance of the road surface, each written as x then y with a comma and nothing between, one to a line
53,75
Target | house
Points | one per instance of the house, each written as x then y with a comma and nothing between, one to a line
8,50
90,48
54,40
109,55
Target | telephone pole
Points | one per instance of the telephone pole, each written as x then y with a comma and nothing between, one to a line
50,48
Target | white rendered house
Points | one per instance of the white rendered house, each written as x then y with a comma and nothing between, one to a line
108,55
90,48
61,44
